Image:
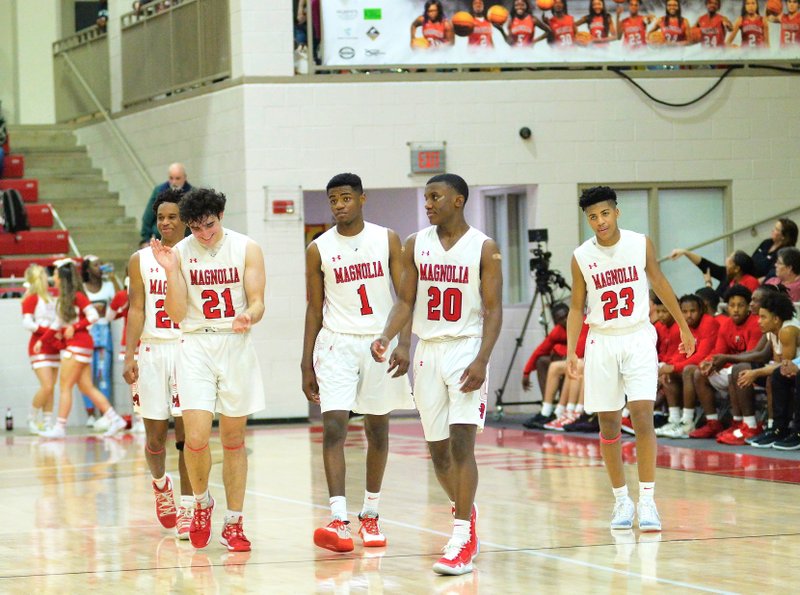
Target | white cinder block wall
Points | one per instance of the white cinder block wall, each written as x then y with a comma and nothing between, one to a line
584,131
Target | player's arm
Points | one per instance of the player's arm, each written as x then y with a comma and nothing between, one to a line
492,300
732,35
403,307
255,281
315,294
400,358
665,292
765,24
415,23
577,305
619,14
135,325
176,302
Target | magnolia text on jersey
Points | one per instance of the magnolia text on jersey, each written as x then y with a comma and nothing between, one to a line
615,277
447,273
214,276
357,272
158,287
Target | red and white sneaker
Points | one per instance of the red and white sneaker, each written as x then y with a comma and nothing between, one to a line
739,435
558,424
731,429
184,521
712,428
627,426
335,536
200,528
233,537
165,505
370,531
473,529
457,559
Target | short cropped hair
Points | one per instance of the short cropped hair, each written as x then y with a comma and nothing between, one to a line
739,290
346,179
595,194
791,258
559,309
173,195
693,297
779,304
709,295
199,203
455,182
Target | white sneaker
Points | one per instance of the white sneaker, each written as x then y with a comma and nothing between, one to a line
624,511
667,428
101,424
35,427
56,432
138,427
681,430
90,421
114,427
648,515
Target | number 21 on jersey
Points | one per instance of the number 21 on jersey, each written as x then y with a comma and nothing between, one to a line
617,304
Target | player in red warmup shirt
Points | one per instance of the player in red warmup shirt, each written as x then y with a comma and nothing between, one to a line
713,26
481,36
522,26
674,27
562,25
753,27
632,30
704,329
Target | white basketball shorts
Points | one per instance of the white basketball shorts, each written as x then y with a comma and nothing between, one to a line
350,380
156,395
619,366
219,372
721,380
438,366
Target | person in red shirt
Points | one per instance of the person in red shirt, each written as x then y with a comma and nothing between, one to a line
673,25
753,27
522,26
738,333
713,26
481,35
436,28
632,30
790,24
562,25
599,22
704,329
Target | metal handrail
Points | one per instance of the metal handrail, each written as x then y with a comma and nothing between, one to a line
72,245
117,133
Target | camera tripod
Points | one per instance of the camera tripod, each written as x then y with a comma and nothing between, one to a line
544,296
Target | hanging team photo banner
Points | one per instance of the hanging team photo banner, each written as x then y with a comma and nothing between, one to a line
420,32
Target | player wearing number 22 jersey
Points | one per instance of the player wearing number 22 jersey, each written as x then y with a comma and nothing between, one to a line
610,274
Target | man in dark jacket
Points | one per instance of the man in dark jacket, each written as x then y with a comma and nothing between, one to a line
176,181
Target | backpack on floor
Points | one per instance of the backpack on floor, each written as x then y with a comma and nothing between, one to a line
14,215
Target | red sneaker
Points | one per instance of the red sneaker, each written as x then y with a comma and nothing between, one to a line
457,559
185,516
710,430
738,436
233,537
165,505
200,529
731,429
370,532
335,536
627,426
473,529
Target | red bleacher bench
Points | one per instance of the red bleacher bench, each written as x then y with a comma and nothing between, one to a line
15,267
13,166
39,215
50,241
6,147
29,189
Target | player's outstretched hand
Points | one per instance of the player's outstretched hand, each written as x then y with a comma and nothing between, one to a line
131,371
473,377
688,344
378,349
676,253
573,370
310,386
399,361
164,255
242,323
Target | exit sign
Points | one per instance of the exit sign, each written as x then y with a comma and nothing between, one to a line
427,158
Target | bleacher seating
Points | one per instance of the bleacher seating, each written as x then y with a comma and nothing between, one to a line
15,267
13,166
29,189
39,215
44,241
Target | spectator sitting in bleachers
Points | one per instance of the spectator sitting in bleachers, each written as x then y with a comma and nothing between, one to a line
738,333
784,235
177,181
670,375
102,15
570,405
787,272
710,298
738,269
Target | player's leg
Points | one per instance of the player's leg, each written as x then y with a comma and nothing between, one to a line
186,508
155,453
376,428
86,386
464,468
234,477
197,425
542,366
707,396
70,372
46,376
443,466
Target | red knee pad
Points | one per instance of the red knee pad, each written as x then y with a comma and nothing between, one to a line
612,441
153,452
234,447
202,448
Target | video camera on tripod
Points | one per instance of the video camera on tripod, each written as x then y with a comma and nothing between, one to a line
545,277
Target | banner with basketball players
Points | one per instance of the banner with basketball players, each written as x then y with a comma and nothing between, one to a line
542,32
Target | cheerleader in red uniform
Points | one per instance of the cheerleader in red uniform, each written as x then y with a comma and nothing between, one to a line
522,26
562,25
74,315
754,27
632,30
674,27
599,22
790,24
437,30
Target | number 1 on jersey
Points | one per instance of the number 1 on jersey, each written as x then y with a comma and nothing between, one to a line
366,309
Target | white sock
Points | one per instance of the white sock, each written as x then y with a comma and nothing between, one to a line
579,408
339,508
203,500
620,493
232,517
187,501
647,489
47,418
674,415
750,420
547,409
570,407
160,482
688,416
737,418
34,414
770,422
371,501
461,530
62,422
111,414
559,410
712,417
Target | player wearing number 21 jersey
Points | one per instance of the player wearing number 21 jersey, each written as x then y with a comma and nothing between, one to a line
452,286
610,274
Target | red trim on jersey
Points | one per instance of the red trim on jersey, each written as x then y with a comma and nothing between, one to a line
790,30
634,32
521,30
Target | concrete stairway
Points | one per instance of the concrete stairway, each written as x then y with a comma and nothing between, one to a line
77,191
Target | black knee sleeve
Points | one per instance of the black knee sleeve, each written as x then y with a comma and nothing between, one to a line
179,445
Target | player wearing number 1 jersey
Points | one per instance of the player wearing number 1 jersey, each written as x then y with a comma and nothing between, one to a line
350,270
452,286
610,274
215,291
152,376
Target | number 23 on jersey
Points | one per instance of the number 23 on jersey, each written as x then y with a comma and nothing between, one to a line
617,304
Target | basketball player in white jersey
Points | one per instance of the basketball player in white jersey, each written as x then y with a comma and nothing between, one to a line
215,291
350,270
152,377
452,287
610,274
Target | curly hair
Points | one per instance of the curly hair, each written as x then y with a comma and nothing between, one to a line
778,304
595,194
199,203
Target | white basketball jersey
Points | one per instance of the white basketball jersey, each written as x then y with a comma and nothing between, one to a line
449,304
157,325
617,292
358,296
215,282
